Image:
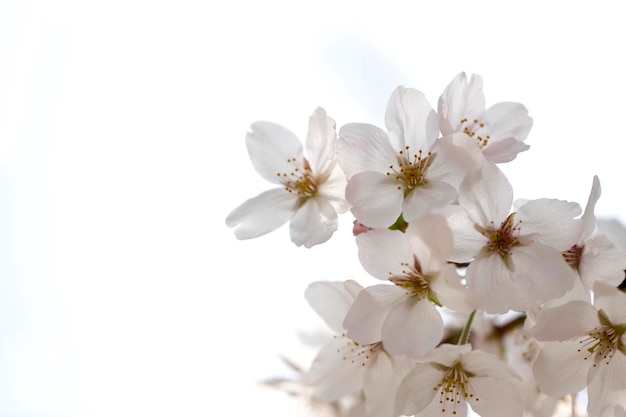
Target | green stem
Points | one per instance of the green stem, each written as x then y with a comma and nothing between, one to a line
466,330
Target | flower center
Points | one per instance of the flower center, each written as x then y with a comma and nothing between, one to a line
473,128
454,388
572,256
410,171
356,353
300,180
414,281
504,238
603,341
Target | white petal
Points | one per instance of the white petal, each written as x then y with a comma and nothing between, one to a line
534,273
601,261
616,408
449,291
334,188
412,328
364,320
506,121
542,274
486,364
363,147
411,120
495,397
552,220
384,253
610,300
320,143
455,157
439,408
313,223
427,198
331,301
431,240
416,391
375,198
488,197
262,214
568,321
560,368
492,280
606,384
381,382
461,99
334,375
504,150
467,240
588,217
270,147
352,287
577,292
615,230
447,354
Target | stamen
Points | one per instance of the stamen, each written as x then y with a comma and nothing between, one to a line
413,280
472,129
602,343
300,180
356,353
503,239
454,388
572,256
410,170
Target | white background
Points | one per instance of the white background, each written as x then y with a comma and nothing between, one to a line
122,126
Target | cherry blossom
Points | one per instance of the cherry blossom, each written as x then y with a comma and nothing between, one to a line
311,190
531,291
405,170
344,367
593,256
516,260
498,131
405,316
586,347
453,377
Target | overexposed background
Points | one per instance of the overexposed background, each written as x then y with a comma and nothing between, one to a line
122,126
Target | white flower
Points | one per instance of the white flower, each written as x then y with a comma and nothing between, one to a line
586,346
401,171
308,404
344,367
451,378
404,316
517,262
499,131
520,352
311,190
595,257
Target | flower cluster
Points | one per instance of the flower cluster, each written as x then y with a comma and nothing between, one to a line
510,308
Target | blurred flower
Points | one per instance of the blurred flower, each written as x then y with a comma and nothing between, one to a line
344,367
